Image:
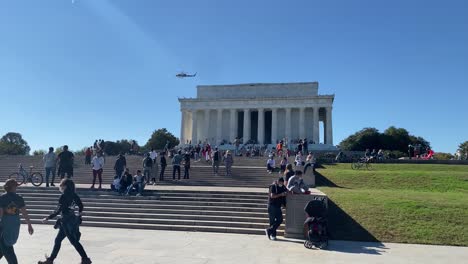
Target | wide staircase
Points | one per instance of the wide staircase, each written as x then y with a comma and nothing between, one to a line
246,172
205,203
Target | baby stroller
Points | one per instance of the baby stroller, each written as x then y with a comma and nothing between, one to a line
315,226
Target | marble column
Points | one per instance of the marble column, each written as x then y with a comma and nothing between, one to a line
328,127
219,127
274,125
194,128
288,125
315,129
302,130
233,126
261,126
182,127
246,125
206,129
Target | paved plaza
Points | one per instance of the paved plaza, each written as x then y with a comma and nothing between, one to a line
118,246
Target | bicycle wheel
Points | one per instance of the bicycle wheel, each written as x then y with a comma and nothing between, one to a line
354,166
18,177
36,179
368,166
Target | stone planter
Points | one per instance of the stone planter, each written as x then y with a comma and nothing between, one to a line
295,215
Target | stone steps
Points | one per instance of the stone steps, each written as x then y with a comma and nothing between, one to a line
182,210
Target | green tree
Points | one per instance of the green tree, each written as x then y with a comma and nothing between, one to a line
463,148
39,152
367,138
13,144
120,146
442,156
159,138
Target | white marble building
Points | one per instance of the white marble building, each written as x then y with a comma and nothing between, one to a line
264,112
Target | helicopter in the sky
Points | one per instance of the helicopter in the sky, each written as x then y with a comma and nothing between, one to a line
185,75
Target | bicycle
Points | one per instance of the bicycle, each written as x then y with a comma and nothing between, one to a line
361,163
23,177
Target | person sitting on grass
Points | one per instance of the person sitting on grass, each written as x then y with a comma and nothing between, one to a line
296,184
271,164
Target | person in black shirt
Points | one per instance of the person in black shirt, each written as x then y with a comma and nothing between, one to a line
289,172
276,199
187,165
66,159
11,204
69,223
120,165
163,163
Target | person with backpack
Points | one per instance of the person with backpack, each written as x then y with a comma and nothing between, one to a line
215,157
69,223
11,204
147,167
163,163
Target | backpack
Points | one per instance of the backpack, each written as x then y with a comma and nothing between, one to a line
148,162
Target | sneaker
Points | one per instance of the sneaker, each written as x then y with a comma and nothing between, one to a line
47,261
273,238
92,187
86,261
154,184
138,194
267,233
53,185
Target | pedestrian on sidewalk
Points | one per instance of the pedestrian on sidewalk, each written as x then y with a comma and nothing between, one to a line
147,167
69,223
11,204
50,163
163,163
98,165
276,200
176,161
216,158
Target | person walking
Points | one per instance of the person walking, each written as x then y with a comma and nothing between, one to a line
98,165
50,163
69,223
215,157
11,204
88,154
66,160
228,161
176,160
163,163
276,199
147,167
120,165
186,166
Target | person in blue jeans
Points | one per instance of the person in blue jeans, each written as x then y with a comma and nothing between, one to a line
11,204
276,199
50,163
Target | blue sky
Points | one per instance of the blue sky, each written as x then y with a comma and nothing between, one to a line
74,72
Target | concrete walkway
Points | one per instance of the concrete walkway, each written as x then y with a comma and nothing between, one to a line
119,246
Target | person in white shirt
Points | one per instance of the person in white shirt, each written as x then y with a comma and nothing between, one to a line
153,155
97,164
271,164
298,161
50,163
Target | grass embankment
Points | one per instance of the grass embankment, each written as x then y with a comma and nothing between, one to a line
404,203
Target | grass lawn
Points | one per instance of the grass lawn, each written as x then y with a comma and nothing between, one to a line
406,203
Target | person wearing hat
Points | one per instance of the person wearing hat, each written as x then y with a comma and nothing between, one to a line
11,204
276,200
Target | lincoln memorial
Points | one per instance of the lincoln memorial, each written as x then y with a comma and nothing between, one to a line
262,112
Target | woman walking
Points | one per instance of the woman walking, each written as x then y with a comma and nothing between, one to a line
69,222
228,161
